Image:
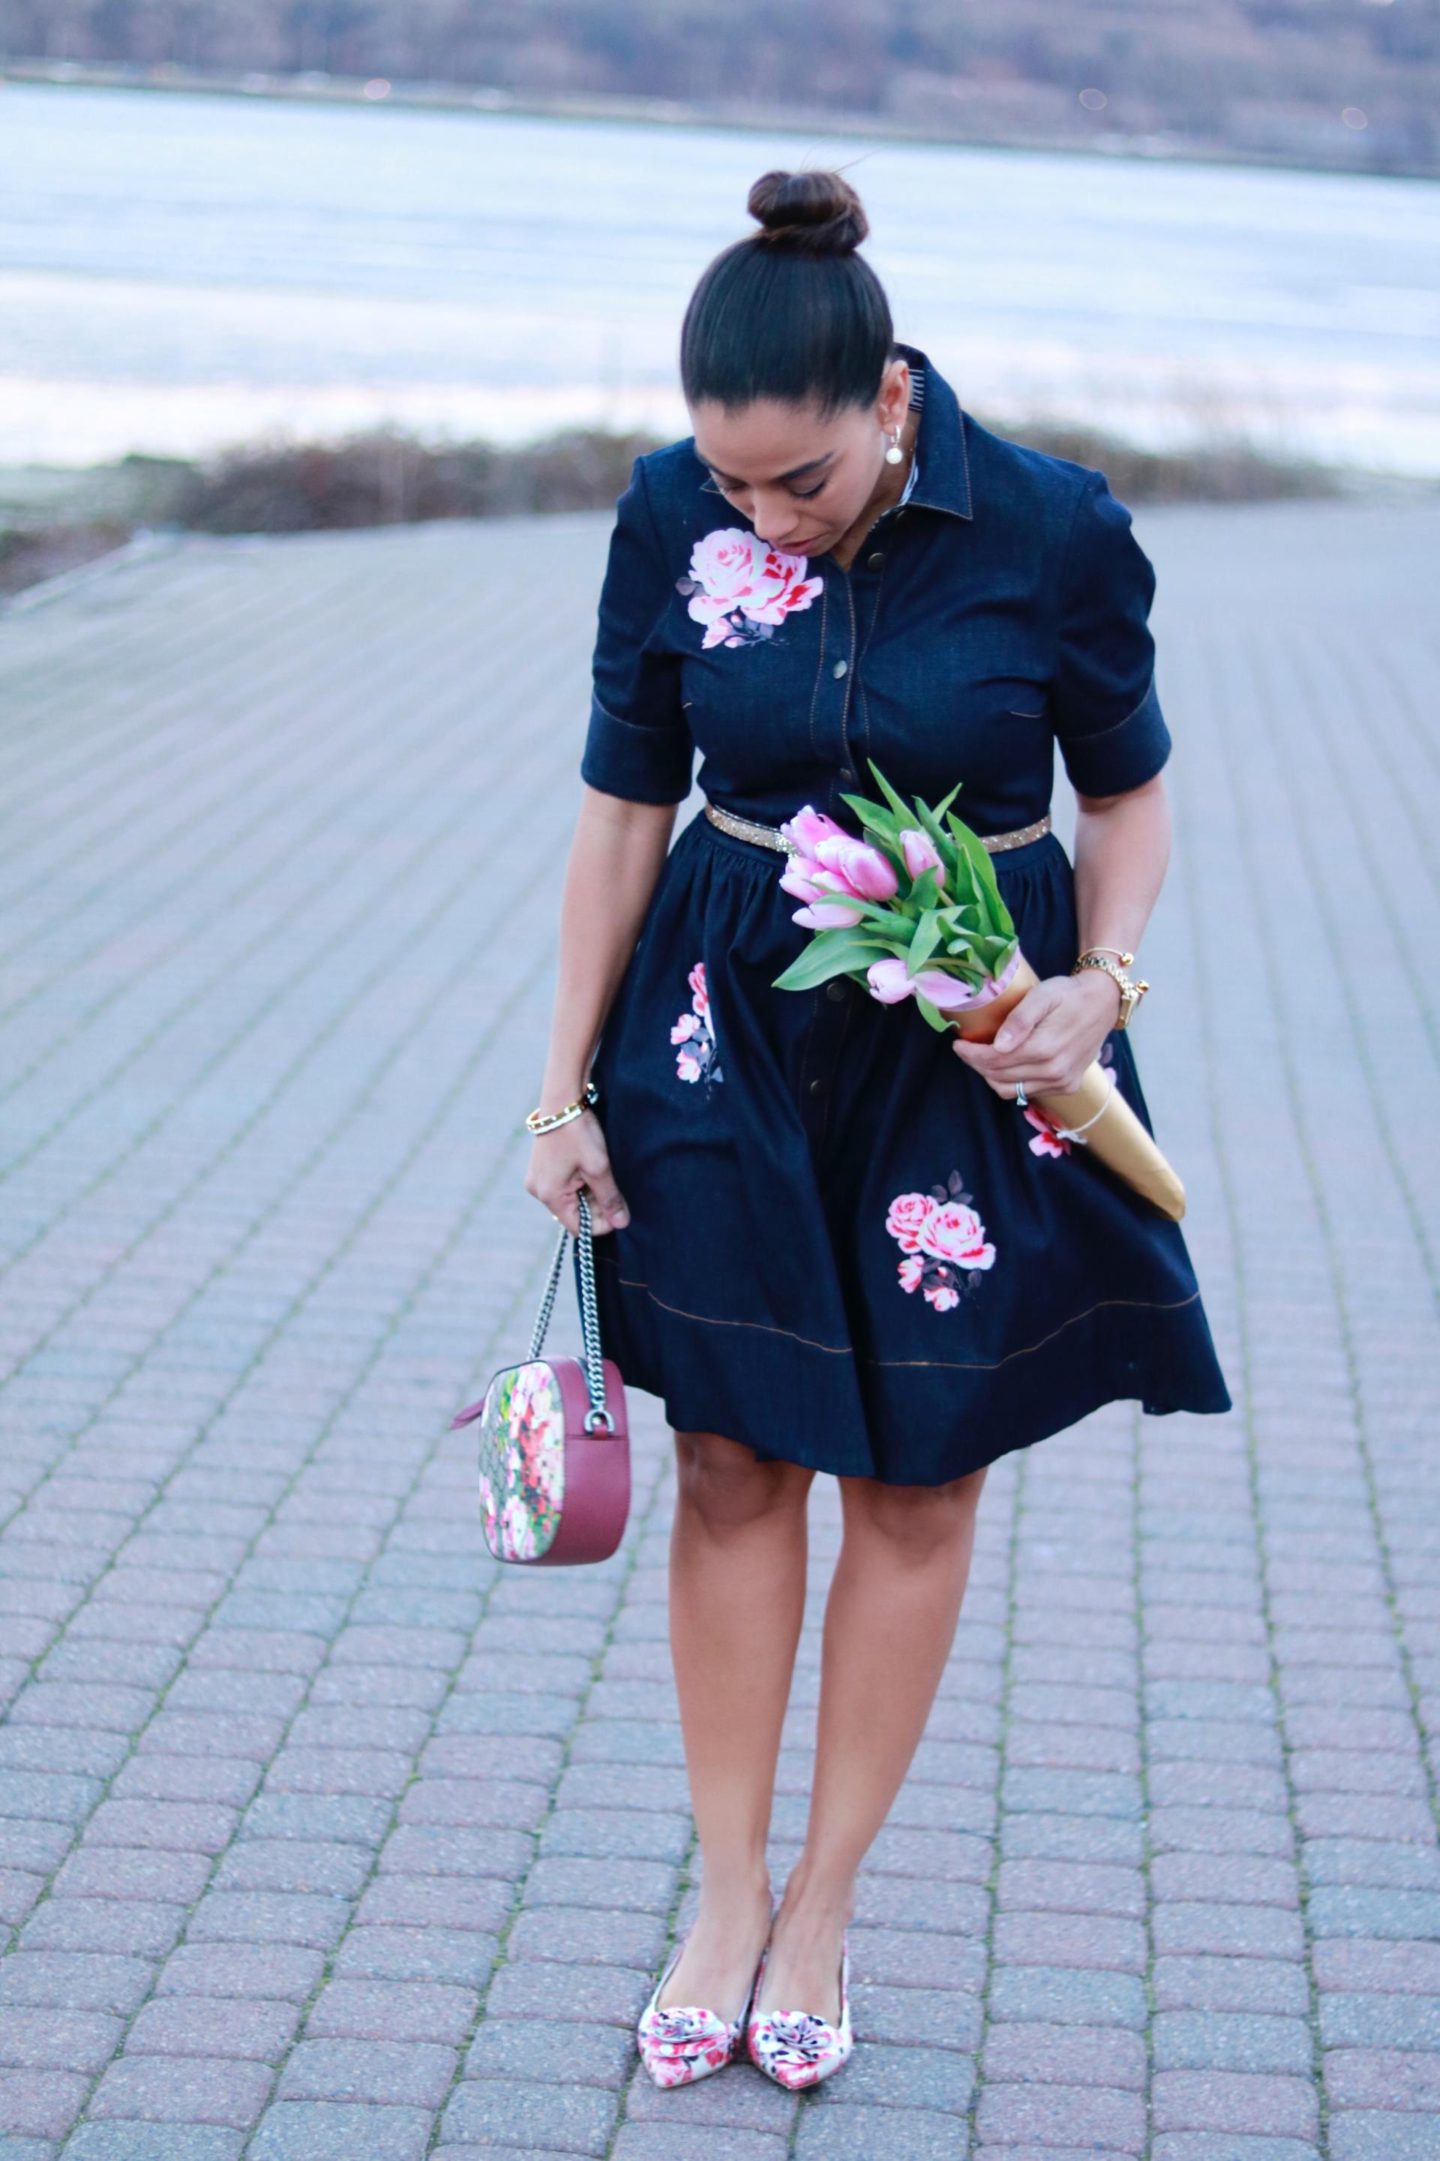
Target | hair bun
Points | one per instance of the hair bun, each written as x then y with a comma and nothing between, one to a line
813,213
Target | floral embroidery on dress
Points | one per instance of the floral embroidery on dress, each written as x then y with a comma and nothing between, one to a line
698,1056
943,1241
1050,1139
741,588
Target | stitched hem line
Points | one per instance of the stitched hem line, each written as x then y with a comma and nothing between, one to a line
835,1350
967,1365
973,1365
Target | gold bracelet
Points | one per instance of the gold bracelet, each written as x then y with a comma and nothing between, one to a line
1121,955
538,1121
1130,992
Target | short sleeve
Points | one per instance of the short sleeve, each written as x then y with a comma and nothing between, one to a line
638,744
1105,710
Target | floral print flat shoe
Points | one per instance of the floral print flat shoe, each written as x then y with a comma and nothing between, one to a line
684,2042
795,2048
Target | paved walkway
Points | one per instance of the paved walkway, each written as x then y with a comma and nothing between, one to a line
300,1861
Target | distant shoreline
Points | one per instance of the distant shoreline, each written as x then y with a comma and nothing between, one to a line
53,520
320,89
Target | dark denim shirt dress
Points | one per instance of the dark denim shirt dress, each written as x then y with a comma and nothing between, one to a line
844,1248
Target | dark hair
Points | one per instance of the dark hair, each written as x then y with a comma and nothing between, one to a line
791,312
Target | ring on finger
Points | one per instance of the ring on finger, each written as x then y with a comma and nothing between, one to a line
1020,1096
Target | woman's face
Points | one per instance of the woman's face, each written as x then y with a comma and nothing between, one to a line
800,480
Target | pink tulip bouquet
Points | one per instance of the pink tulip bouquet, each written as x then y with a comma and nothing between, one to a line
911,910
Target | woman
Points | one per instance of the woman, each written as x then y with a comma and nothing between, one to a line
825,1243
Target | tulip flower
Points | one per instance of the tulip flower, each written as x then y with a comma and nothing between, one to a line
920,853
889,981
810,826
827,915
798,880
864,871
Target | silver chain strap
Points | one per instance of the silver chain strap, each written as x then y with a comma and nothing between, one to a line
591,1360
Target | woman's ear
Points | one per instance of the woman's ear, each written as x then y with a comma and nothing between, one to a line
894,400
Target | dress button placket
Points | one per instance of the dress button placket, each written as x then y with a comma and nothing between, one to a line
836,669
831,1002
833,696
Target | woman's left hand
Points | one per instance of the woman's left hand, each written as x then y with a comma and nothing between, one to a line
1049,1037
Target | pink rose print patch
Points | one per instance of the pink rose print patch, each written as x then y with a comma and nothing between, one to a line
1050,1139
943,1241
741,588
697,1058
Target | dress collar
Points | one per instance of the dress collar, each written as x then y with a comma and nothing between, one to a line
941,458
941,468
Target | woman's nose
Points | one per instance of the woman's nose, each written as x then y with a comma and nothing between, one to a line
776,525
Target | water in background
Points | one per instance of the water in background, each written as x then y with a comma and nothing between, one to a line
179,272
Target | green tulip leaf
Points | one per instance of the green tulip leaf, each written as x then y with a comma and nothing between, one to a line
923,944
830,953
876,818
897,803
931,1013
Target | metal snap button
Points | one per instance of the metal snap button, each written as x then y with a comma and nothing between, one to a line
841,667
847,773
835,988
816,1086
873,562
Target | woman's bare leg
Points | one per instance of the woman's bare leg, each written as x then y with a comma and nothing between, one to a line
889,1624
737,1599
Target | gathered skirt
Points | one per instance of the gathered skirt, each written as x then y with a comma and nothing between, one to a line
845,1250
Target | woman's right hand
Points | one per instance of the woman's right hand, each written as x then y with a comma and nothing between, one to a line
571,1156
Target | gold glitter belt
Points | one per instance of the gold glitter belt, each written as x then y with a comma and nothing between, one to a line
770,836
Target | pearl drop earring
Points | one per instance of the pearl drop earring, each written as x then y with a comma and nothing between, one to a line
895,455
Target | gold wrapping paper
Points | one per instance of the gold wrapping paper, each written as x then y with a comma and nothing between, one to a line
1117,1138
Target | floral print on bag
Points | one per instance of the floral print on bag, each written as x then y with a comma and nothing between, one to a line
943,1241
522,1461
742,589
697,1058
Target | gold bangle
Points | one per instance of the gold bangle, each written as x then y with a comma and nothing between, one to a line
1130,992
1121,955
538,1121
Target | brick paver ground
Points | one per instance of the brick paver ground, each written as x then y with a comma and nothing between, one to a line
297,1859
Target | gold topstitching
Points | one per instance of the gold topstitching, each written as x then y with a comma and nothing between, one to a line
967,1365
836,1350
1157,1305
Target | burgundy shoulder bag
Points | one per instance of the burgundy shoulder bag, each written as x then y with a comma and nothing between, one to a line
554,1439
